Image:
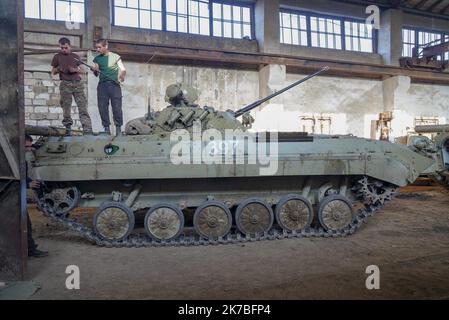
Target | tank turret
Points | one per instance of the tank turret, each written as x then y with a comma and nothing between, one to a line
441,128
182,112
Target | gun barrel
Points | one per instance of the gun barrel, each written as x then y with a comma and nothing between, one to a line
48,131
83,63
432,128
257,103
99,72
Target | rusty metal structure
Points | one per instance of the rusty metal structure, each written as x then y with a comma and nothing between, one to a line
427,56
381,128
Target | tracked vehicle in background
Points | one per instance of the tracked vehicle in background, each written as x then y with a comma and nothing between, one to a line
431,141
311,185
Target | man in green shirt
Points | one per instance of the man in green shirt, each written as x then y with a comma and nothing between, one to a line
109,66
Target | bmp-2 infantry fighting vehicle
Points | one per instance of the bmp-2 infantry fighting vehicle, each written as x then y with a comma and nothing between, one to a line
257,187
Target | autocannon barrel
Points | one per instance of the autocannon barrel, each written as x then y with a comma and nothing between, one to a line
48,131
257,103
432,128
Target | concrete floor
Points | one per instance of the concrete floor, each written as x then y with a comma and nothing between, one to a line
408,240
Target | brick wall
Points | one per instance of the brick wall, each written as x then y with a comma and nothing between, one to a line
42,105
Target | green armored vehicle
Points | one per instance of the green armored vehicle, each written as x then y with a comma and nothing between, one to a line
200,176
432,141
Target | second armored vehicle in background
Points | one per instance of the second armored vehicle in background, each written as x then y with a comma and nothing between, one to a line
431,141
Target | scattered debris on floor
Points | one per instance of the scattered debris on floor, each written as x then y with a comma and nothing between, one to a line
414,196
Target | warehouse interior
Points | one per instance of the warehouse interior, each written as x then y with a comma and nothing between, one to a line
268,59
388,74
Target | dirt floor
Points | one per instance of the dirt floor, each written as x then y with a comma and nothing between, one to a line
408,240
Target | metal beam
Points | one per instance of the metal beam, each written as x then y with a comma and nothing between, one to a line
420,4
433,6
442,11
169,54
13,244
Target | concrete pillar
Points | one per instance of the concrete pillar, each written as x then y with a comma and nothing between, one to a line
271,116
99,21
395,90
390,36
271,78
267,25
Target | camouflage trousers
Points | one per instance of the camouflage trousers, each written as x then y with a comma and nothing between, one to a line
75,89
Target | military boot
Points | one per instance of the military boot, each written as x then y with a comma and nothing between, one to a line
36,253
87,132
68,130
118,130
107,130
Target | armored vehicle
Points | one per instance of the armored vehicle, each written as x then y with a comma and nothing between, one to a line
200,176
431,141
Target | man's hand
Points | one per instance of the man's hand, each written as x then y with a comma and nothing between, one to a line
95,67
74,69
55,71
122,72
35,184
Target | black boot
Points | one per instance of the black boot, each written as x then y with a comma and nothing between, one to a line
107,130
36,253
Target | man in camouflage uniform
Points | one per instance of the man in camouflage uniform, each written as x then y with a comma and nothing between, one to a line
66,64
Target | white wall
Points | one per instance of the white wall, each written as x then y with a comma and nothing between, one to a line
219,88
351,103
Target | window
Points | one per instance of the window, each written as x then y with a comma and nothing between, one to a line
446,39
293,28
358,36
231,21
60,10
145,14
428,37
306,29
408,39
412,38
191,16
204,17
325,33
